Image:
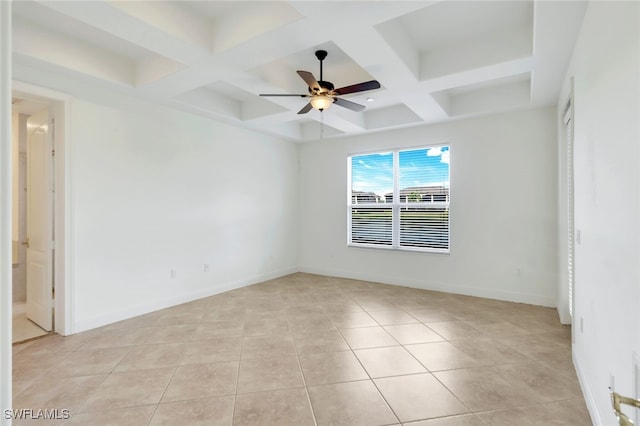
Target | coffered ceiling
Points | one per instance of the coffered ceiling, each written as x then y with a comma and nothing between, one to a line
435,60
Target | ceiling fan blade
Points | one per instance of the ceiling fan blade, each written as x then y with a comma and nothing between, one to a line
310,80
305,109
283,94
348,104
360,87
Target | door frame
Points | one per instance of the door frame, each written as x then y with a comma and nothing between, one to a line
62,224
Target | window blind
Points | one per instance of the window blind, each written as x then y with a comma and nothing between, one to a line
400,199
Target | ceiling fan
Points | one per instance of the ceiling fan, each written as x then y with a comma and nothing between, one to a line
322,94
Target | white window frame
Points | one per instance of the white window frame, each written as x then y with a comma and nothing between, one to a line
396,205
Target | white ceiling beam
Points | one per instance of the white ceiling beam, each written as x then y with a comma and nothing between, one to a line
71,53
479,75
114,19
553,56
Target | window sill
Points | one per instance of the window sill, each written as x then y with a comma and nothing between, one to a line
401,249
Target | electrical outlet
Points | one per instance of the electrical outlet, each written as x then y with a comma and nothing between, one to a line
206,267
173,273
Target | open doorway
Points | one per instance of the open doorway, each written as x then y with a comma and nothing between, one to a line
38,214
31,182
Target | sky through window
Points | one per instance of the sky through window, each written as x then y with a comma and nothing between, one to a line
418,168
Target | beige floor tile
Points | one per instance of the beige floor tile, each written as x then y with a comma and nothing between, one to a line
503,360
536,343
24,377
331,367
267,346
319,341
368,337
340,306
439,356
213,350
390,361
18,347
202,380
216,411
151,356
285,407
487,351
559,360
498,327
262,374
567,413
392,317
113,338
308,323
146,320
471,314
61,393
179,318
267,326
54,343
23,363
375,304
86,363
135,416
214,329
546,383
418,397
303,307
463,420
167,334
352,320
350,404
482,389
129,389
453,329
431,315
413,333
224,313
26,369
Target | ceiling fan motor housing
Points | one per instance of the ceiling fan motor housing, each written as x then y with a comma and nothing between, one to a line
325,87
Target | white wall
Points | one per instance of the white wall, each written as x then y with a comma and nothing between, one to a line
503,209
606,72
154,190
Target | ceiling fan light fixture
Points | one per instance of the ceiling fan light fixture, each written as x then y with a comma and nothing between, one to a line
321,102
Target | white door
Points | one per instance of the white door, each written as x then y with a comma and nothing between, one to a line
39,221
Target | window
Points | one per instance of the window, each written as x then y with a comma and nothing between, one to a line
400,199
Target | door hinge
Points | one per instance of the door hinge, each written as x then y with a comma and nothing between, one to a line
53,152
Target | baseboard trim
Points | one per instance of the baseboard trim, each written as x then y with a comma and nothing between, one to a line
596,419
489,293
145,308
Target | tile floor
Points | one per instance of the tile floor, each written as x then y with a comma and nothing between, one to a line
311,350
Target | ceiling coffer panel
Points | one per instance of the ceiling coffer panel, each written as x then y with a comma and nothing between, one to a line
387,64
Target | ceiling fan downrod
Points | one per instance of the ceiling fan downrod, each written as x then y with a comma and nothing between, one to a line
321,55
